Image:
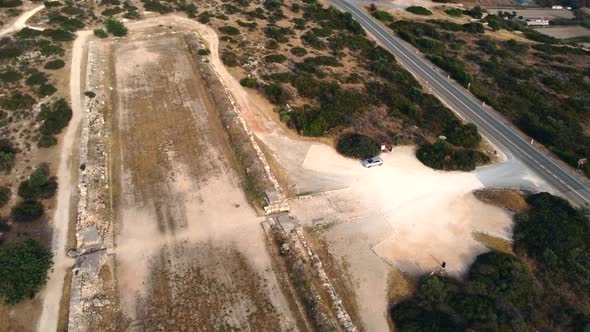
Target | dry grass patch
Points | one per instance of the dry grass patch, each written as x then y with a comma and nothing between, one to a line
494,243
400,286
513,200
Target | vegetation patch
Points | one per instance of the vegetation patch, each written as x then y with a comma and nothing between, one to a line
24,270
442,155
419,10
357,146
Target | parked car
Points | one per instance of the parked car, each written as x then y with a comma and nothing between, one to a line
370,162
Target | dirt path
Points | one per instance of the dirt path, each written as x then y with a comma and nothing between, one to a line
21,21
52,292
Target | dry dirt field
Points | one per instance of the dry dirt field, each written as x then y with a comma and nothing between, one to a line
189,249
565,32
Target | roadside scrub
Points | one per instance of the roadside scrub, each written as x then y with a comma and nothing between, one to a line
543,286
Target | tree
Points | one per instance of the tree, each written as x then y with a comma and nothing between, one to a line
24,270
7,154
465,136
39,185
27,211
5,194
357,146
115,27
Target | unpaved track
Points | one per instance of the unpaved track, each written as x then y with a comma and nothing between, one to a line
53,290
21,21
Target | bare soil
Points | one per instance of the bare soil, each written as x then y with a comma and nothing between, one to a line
189,249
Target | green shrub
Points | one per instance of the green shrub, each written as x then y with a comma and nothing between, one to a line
7,154
229,59
249,82
272,45
51,49
51,4
55,64
100,33
275,58
204,51
27,211
382,16
556,235
115,27
419,10
46,141
455,12
17,101
157,6
229,30
10,3
39,185
473,27
465,136
281,77
90,94
10,76
46,90
298,51
54,118
276,94
37,78
24,270
204,17
59,34
357,146
475,12
441,155
5,194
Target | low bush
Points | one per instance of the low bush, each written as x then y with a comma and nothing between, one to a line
52,4
24,270
7,154
39,185
54,117
27,211
465,136
5,194
115,27
382,16
473,27
455,12
10,76
298,51
100,33
276,94
249,82
442,155
275,58
36,78
157,6
17,101
357,146
59,35
475,12
10,3
230,59
46,90
204,51
229,30
419,10
55,64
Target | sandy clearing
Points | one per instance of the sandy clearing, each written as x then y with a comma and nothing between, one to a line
21,21
52,292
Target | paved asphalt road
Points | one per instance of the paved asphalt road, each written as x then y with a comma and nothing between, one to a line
471,109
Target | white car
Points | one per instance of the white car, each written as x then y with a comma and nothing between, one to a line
370,162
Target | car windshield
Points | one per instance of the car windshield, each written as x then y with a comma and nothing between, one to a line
370,160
